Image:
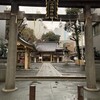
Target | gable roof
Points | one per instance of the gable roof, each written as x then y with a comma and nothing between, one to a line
47,47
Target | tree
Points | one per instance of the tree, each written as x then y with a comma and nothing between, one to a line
73,11
3,48
75,37
75,27
50,36
28,35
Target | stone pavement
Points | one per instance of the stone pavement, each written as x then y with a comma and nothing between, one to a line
34,68
69,70
48,70
21,94
57,90
46,90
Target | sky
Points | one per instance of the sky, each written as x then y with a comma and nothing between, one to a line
41,9
49,24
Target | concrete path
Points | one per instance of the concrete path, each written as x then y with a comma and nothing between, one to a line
45,90
51,69
48,70
51,90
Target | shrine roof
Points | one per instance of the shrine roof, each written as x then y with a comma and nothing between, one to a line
47,47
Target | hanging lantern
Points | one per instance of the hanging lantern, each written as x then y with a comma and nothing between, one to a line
51,9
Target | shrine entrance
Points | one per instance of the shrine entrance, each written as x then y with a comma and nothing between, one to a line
15,15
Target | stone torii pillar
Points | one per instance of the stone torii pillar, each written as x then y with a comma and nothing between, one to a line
89,51
12,51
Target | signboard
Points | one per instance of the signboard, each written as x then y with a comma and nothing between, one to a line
51,9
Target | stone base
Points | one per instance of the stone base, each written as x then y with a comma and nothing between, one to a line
9,90
92,94
92,90
79,62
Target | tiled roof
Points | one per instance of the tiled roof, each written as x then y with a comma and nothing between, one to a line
48,47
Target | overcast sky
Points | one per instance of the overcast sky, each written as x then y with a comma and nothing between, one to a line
42,10
49,24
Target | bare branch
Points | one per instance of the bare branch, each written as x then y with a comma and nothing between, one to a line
72,39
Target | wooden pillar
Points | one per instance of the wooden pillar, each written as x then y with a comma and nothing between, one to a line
80,93
26,59
32,93
12,51
57,59
29,58
51,57
34,59
41,57
62,58
89,52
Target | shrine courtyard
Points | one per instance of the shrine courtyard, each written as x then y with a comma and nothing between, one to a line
48,88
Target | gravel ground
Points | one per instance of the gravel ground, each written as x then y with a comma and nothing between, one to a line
30,72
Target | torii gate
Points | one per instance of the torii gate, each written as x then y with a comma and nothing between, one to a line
12,47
